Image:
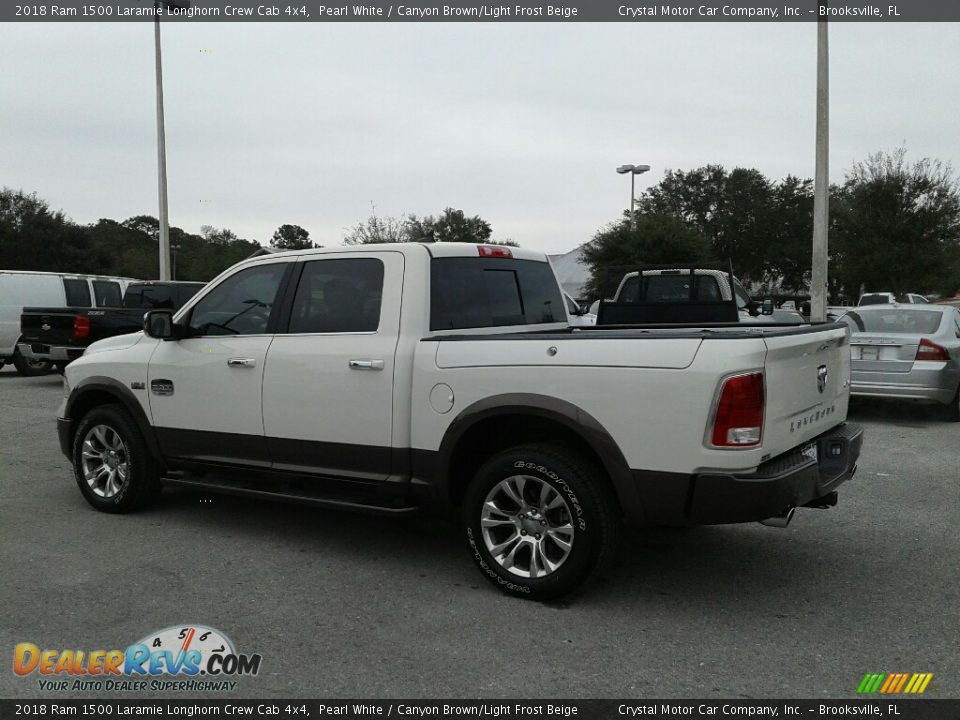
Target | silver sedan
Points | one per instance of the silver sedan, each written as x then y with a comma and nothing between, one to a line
907,352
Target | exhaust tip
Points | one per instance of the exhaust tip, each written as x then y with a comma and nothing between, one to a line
780,521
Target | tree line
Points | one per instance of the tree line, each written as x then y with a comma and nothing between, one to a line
894,226
35,237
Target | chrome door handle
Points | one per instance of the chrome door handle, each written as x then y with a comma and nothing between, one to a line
241,362
366,364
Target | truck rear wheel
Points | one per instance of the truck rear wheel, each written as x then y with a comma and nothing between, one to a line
540,521
114,469
28,367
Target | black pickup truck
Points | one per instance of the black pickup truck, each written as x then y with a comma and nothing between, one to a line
60,335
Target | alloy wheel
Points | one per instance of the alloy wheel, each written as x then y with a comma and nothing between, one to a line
527,526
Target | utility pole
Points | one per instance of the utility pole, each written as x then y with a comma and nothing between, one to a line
821,187
161,153
161,136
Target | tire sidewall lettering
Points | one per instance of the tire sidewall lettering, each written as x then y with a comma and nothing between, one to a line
490,571
561,483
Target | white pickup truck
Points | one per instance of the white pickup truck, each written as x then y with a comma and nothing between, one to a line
445,377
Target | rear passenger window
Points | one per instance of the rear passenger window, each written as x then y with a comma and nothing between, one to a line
492,292
338,296
77,292
107,293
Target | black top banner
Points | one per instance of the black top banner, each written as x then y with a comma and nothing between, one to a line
624,11
893,708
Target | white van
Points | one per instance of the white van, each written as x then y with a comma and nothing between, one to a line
20,289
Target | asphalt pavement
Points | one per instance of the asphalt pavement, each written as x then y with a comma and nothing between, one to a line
344,605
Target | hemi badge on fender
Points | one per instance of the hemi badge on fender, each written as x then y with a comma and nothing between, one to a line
161,387
138,386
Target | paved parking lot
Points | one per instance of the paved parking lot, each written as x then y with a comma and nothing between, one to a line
346,605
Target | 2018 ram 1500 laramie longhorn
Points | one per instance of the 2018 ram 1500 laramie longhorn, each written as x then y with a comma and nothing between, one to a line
445,377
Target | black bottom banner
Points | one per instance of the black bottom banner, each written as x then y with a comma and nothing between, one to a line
914,709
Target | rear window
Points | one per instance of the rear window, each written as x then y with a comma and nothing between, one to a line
876,299
151,297
107,293
77,293
894,321
492,292
670,288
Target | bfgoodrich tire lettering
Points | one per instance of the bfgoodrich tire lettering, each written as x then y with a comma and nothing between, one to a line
539,521
113,467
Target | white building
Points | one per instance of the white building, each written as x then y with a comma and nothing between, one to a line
572,272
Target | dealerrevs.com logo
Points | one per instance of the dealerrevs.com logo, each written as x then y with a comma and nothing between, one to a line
188,658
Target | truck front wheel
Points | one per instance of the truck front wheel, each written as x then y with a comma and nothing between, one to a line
114,469
540,521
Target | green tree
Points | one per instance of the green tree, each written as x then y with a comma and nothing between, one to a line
896,225
291,237
790,234
657,239
377,229
732,210
450,226
34,237
223,236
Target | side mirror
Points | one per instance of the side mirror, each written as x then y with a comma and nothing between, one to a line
158,324
767,307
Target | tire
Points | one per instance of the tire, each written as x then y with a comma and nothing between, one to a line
30,368
951,412
129,478
540,487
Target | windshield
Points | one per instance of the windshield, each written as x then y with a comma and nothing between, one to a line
894,321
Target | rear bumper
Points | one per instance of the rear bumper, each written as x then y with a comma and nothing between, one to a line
54,353
932,386
788,481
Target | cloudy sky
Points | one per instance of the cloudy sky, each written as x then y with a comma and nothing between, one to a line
520,123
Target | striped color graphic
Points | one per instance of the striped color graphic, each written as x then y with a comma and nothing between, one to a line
894,683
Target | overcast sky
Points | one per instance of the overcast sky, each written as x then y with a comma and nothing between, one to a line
520,123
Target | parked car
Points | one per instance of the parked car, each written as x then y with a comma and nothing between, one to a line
444,378
20,288
907,352
59,335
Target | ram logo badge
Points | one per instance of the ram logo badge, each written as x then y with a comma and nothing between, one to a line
822,378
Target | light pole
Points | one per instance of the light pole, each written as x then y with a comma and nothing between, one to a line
821,185
634,170
161,137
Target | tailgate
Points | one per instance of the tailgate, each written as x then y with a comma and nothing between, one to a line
49,327
807,386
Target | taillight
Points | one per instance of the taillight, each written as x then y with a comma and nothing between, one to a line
929,350
81,326
494,251
738,421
